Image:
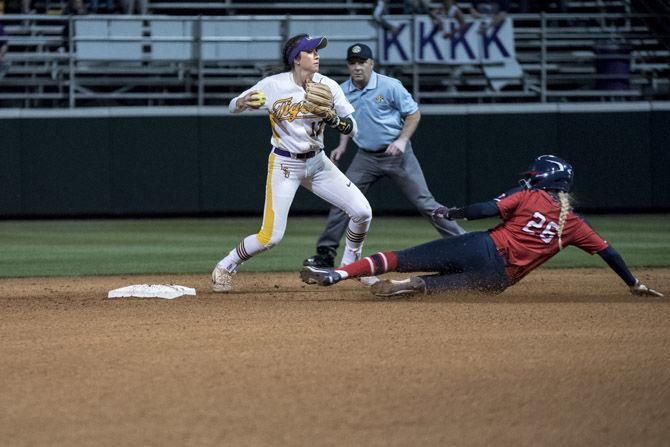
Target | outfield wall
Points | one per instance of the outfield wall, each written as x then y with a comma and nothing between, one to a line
203,161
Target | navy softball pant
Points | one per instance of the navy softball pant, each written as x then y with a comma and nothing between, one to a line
467,262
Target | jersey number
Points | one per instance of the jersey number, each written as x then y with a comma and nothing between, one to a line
547,234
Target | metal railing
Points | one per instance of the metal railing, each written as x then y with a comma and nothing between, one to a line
211,59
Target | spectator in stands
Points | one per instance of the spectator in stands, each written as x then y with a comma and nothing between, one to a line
105,6
75,7
4,65
409,7
492,13
422,7
416,7
450,10
378,16
132,6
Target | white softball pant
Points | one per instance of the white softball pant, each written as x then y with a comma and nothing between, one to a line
323,178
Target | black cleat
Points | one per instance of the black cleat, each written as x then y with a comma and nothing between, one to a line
324,258
322,277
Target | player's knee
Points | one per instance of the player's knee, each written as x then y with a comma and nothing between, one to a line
362,215
269,241
274,240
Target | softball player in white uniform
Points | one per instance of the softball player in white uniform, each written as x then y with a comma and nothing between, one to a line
296,156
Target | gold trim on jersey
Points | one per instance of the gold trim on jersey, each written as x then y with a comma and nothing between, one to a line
275,134
265,234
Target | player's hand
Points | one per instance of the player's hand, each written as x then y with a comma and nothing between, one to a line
640,289
442,213
397,147
253,100
337,153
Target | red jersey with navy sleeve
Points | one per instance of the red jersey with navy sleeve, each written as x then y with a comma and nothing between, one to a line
527,236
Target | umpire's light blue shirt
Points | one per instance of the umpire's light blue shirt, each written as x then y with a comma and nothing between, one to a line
381,107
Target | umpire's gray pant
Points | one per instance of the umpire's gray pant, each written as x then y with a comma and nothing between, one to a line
365,169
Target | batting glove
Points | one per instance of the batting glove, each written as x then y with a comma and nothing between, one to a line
442,212
640,289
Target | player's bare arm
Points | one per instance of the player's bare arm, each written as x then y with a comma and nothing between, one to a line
341,148
408,129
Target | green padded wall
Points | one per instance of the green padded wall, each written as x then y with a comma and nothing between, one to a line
65,167
209,165
659,159
154,165
608,150
10,168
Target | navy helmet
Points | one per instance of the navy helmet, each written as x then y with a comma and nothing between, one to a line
548,172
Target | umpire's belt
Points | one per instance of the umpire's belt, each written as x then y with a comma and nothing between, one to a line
284,153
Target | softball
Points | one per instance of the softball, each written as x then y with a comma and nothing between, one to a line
257,99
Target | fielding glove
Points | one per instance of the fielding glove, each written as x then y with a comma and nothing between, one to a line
319,101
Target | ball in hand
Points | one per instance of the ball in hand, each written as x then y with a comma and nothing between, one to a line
257,99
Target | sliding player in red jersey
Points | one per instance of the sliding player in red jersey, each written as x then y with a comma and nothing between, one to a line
537,223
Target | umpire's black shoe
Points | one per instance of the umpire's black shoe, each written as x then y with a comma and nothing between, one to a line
324,258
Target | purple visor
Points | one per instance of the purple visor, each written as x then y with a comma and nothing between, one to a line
307,43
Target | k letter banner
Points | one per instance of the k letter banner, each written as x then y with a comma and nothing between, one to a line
476,43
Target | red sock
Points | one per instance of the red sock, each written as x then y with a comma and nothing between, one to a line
372,265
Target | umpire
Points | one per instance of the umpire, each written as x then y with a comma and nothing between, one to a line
387,117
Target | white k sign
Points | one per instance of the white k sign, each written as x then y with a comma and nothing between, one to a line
474,44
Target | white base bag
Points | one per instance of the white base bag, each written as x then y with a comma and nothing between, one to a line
167,291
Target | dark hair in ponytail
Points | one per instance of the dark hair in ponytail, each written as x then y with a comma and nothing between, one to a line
287,65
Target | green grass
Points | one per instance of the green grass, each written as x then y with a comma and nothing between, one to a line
110,247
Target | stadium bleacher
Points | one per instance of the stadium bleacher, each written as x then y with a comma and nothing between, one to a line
172,57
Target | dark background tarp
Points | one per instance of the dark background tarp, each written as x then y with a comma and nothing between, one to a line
207,165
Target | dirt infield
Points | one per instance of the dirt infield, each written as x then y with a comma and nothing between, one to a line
566,358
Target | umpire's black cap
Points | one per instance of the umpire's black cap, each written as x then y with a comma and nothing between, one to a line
359,51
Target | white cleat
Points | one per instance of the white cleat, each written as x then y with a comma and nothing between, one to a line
222,280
